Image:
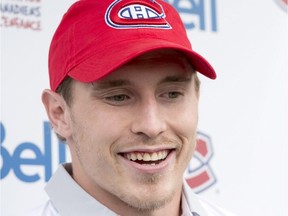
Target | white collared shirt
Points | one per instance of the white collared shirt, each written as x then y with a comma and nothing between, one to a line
70,199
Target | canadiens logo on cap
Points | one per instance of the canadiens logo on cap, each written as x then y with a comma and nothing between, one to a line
127,14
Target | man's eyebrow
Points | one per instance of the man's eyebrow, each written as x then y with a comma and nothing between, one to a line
105,84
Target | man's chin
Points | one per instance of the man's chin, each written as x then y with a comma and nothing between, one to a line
149,204
150,198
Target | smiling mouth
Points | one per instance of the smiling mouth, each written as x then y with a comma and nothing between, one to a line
147,158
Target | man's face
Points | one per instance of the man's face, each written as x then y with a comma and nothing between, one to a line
133,132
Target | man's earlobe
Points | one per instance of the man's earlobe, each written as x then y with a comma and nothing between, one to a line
56,109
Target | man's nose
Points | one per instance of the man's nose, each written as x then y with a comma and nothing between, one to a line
149,120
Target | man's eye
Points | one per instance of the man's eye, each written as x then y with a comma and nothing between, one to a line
174,94
117,98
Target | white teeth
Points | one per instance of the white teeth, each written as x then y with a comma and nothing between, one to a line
147,156
133,157
154,156
139,156
164,154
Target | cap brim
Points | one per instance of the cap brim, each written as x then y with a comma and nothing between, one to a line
114,56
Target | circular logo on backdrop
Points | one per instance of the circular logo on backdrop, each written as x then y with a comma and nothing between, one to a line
199,174
283,4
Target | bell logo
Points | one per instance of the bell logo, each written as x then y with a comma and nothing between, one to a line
199,175
125,14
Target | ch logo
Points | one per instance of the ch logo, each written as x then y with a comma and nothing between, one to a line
138,12
199,175
127,14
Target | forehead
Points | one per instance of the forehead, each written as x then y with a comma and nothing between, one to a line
148,70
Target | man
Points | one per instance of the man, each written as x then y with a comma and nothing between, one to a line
124,97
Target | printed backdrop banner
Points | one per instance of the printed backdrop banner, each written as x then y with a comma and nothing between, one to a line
241,158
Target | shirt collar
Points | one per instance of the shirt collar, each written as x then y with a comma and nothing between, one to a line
190,202
71,200
185,207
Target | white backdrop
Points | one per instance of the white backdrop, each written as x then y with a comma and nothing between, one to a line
241,163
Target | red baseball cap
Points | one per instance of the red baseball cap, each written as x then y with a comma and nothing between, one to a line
96,37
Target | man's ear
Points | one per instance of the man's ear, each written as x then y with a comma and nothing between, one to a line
58,112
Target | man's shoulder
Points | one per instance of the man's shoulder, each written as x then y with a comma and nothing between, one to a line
46,209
